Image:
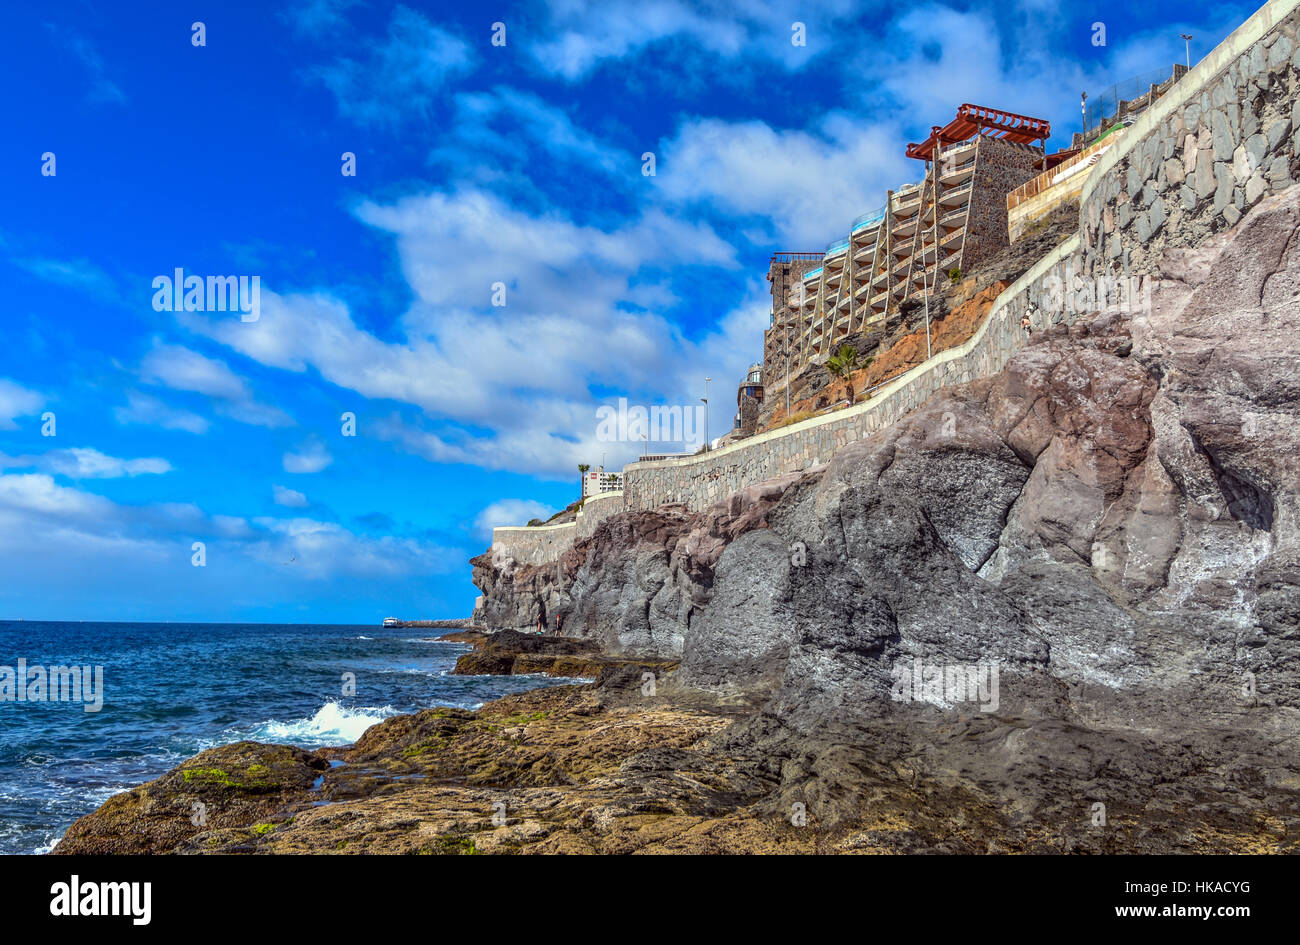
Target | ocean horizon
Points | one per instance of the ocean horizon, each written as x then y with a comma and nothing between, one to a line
172,690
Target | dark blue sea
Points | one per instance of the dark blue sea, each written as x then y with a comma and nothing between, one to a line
172,690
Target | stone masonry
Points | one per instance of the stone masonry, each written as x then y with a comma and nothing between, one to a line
1219,142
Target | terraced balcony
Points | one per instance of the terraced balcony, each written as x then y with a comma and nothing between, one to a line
867,220
953,217
837,248
952,176
864,253
950,198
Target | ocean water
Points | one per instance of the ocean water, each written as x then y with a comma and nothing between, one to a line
172,690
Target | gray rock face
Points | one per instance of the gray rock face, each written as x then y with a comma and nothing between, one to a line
636,584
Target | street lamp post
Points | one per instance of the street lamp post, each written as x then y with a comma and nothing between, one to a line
1187,47
705,398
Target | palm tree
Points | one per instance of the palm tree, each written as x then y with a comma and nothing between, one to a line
582,471
842,364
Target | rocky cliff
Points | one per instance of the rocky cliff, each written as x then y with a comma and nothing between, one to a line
1111,521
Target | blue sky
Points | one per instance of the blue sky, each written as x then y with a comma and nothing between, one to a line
476,164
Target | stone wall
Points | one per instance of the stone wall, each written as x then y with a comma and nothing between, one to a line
595,510
748,408
1224,137
535,545
542,543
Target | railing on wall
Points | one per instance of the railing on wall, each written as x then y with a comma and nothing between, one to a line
1134,93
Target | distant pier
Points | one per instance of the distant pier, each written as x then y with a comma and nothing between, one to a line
460,623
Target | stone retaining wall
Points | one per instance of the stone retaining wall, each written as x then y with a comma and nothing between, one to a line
595,510
535,545
542,543
1223,138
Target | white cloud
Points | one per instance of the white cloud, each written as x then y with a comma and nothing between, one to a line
143,409
931,50
509,512
80,274
86,463
523,371
290,498
454,246
780,177
400,74
318,18
181,368
501,136
323,549
102,89
39,493
579,35
17,401
54,530
311,457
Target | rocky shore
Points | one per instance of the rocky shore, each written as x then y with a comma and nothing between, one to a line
616,767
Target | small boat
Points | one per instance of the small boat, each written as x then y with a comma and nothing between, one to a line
392,622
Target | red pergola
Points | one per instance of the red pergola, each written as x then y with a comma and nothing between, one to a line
977,119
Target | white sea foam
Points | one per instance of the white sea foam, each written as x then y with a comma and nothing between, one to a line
333,724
